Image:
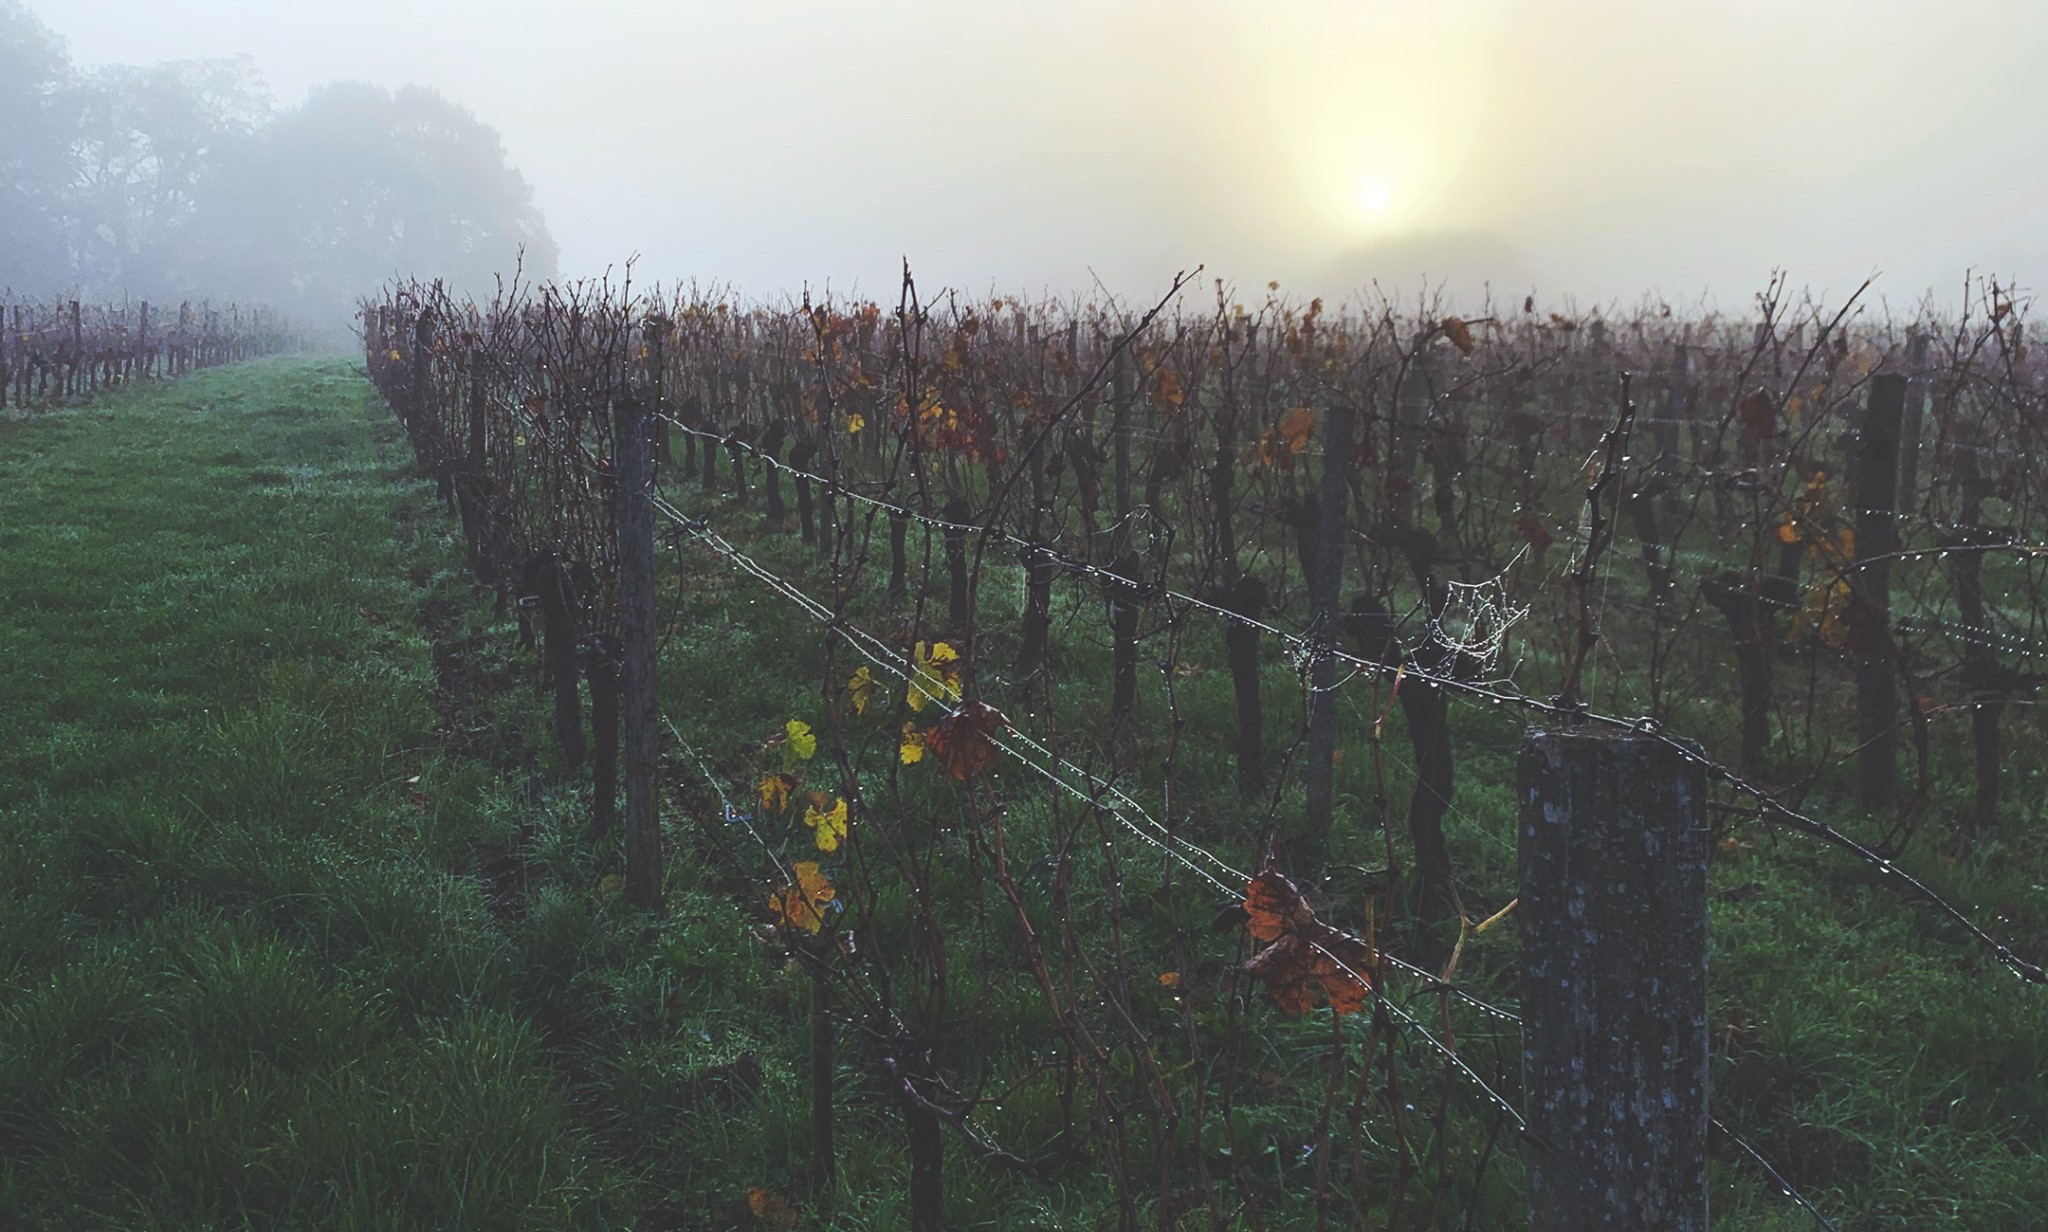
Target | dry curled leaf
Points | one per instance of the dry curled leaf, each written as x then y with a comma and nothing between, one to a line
1459,333
1304,956
964,741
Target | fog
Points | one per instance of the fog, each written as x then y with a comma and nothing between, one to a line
1588,149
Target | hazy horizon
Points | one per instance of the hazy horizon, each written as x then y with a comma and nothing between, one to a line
1577,148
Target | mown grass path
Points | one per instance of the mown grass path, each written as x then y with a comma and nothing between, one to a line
241,982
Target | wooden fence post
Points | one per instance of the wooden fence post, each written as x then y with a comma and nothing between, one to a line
1120,433
1912,420
1613,917
1326,596
1875,490
639,630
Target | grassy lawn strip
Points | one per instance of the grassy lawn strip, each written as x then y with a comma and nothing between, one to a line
245,980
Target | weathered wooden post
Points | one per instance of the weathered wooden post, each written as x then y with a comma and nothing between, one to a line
1326,597
1912,420
1120,433
1404,436
1613,916
417,396
476,471
1038,578
899,527
1875,489
1122,591
638,634
738,451
800,463
771,474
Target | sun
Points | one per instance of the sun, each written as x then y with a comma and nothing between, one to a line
1374,195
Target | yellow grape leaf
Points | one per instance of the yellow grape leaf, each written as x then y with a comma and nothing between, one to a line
395,356
861,689
830,824
802,905
801,740
855,422
611,884
775,789
932,677
911,748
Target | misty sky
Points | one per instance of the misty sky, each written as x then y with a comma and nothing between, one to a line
1597,148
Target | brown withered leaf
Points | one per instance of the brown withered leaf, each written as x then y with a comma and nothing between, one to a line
1305,956
964,741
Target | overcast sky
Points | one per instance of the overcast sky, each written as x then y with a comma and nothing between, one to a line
1597,148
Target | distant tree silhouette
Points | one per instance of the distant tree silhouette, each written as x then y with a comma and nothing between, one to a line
179,180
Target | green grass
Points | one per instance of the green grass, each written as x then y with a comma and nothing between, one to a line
299,926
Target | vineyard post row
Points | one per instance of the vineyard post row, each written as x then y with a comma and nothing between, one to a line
1613,830
67,351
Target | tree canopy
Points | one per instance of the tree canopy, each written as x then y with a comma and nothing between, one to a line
182,179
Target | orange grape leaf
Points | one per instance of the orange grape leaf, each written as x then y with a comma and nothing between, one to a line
773,1210
1168,392
1297,428
1284,968
1344,969
1305,955
829,824
802,904
1272,904
1459,333
964,741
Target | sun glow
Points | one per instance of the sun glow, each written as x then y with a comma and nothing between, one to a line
1374,195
